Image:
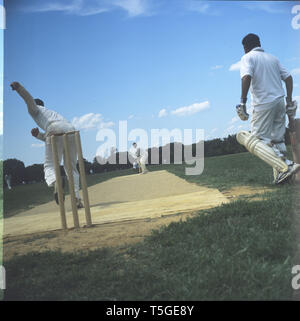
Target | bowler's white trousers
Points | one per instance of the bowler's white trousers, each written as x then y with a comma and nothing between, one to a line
58,128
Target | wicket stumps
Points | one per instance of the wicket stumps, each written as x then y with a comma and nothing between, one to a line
68,166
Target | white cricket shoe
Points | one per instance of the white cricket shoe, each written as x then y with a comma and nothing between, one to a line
284,177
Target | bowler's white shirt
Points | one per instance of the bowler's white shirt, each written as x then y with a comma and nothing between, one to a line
41,115
266,73
44,117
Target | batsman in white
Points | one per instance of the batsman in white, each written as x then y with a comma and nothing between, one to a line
140,156
263,74
52,123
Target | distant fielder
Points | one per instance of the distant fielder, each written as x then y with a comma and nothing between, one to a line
8,180
52,123
263,74
140,157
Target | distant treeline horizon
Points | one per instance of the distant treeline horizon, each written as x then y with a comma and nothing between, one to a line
21,174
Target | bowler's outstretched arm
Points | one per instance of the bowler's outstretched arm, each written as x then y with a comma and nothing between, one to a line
30,102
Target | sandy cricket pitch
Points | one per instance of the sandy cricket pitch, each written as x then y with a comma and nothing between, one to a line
124,209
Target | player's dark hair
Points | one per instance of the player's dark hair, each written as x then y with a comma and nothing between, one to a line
251,41
39,102
134,143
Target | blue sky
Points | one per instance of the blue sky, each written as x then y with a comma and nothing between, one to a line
157,64
2,26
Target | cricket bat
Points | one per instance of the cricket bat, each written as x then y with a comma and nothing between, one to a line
294,129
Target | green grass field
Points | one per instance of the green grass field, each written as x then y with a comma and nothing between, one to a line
238,251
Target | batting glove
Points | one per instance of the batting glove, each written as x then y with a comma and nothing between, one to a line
242,112
291,108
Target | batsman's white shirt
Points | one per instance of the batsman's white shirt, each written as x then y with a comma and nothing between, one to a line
267,75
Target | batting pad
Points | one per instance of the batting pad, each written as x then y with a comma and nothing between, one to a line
256,147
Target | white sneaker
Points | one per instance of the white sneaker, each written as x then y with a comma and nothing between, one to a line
283,177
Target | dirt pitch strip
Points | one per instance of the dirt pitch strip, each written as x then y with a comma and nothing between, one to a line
127,198
124,210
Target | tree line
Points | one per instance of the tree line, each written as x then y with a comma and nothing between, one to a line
35,173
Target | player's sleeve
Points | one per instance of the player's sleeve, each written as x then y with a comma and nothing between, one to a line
284,74
30,102
246,66
41,136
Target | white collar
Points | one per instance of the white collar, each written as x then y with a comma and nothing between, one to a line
258,49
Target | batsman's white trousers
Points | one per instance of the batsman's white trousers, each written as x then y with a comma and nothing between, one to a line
58,128
268,124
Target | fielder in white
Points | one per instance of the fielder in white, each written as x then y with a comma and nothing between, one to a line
8,180
263,74
140,156
52,123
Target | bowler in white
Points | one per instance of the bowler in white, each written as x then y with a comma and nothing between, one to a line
52,123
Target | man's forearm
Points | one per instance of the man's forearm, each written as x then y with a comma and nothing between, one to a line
41,136
246,81
289,87
30,102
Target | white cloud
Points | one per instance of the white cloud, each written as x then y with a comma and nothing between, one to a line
199,7
38,145
211,134
191,109
162,113
93,7
230,128
217,67
235,66
295,71
72,7
295,58
234,120
235,128
202,7
108,124
133,7
269,7
245,126
90,121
